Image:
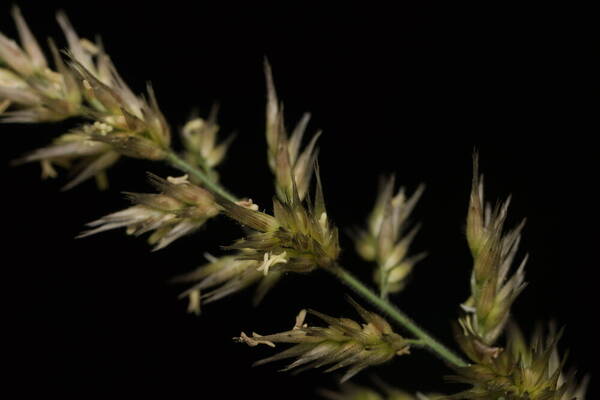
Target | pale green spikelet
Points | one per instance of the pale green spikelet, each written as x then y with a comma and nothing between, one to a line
199,137
76,151
344,343
87,85
224,276
180,209
133,118
30,91
298,237
523,371
493,289
285,158
388,237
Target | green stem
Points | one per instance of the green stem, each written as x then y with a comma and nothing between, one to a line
416,342
182,165
381,303
397,315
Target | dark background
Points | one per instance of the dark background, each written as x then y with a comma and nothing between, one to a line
406,91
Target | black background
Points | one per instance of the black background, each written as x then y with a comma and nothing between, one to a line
410,91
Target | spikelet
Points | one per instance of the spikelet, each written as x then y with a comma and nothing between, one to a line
296,238
87,85
180,209
224,276
199,137
29,90
75,150
523,371
294,165
388,237
493,289
344,343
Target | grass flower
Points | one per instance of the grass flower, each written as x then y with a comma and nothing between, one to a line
139,128
87,85
223,276
286,160
493,291
75,150
523,371
297,237
180,209
388,237
200,142
520,371
29,90
344,343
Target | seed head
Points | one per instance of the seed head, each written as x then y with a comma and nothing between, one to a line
388,237
344,343
76,150
286,160
523,371
87,85
224,276
180,209
487,310
200,142
29,90
298,237
115,104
